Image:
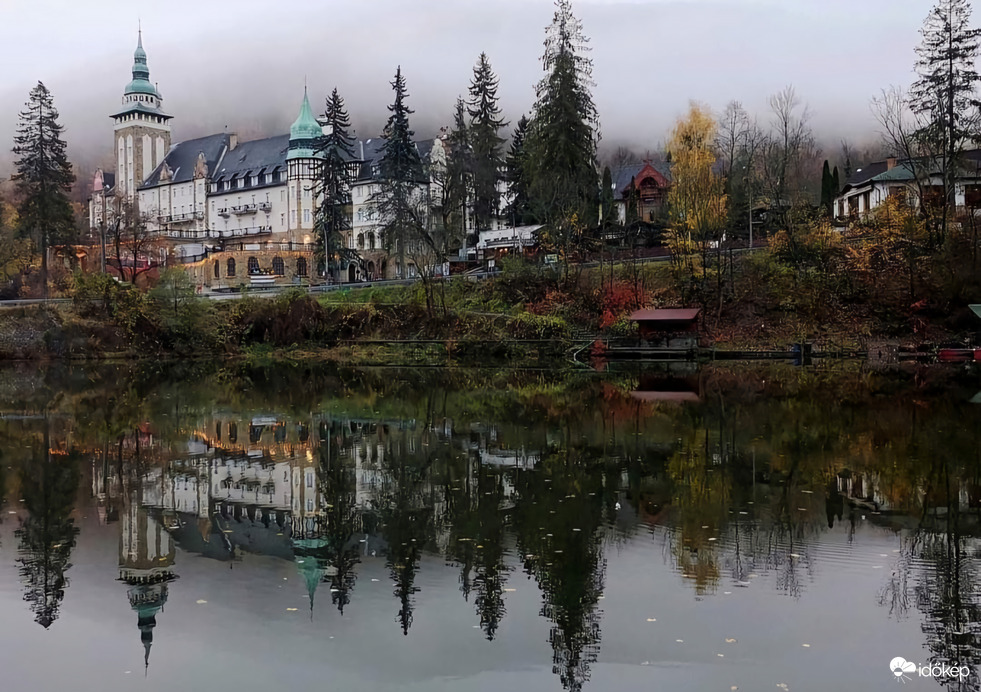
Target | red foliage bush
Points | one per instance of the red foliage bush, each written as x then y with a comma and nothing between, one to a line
618,298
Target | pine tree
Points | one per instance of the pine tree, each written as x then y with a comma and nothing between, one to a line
333,186
401,174
562,138
459,168
44,177
944,91
518,210
835,184
488,158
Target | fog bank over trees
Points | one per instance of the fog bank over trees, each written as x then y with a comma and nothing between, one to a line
245,69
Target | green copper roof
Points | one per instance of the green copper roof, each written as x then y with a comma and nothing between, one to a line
305,130
141,73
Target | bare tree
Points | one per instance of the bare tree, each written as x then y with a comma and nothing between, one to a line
733,131
134,246
786,151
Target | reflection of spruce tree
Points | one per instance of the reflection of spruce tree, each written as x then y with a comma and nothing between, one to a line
406,518
338,488
948,590
49,484
477,541
558,523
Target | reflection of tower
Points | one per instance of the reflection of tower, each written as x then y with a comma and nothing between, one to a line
146,564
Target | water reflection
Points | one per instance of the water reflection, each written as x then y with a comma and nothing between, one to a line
735,487
47,535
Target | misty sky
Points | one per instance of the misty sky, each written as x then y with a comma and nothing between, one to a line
242,64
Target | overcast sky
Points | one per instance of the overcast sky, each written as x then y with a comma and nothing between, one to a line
242,64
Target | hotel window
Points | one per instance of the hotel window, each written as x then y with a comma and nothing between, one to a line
301,270
282,219
253,265
306,216
279,267
309,505
309,479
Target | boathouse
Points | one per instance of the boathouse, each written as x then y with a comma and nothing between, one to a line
666,324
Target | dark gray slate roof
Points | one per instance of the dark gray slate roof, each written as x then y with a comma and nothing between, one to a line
623,175
866,173
369,152
184,155
249,158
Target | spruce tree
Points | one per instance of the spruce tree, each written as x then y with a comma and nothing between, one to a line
459,169
488,158
562,139
44,177
518,210
945,89
401,174
333,186
835,184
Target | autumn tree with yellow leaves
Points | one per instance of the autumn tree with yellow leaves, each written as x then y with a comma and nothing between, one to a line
696,203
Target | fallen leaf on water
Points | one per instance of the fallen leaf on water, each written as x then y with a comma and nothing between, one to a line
201,601
806,646
713,539
730,641
727,593
513,590
680,641
721,655
291,609
652,619
374,580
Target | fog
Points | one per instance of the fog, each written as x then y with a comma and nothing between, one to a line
242,65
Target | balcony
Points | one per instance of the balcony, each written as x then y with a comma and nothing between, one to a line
224,212
244,209
234,233
180,218
265,206
184,235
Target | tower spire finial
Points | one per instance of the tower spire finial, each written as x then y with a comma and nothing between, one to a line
139,33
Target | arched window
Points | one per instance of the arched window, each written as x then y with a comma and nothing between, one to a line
253,265
279,267
233,432
361,241
371,241
230,269
217,270
301,267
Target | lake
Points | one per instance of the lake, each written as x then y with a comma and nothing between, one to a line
228,526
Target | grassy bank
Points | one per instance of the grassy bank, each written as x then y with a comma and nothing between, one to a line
820,287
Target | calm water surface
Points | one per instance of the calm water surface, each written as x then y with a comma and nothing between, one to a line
214,527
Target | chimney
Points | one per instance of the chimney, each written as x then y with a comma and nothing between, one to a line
890,163
233,142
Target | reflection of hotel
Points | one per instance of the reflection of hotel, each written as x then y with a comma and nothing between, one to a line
146,565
